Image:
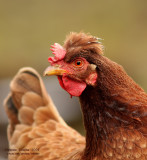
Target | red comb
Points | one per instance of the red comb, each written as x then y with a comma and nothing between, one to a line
58,51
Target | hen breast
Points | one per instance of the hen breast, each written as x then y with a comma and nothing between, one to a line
36,131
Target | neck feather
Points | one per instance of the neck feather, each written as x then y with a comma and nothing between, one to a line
113,105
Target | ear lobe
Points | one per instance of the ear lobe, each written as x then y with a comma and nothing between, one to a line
91,79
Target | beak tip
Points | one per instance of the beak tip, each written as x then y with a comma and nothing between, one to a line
54,71
45,73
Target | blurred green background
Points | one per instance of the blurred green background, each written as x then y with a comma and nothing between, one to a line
29,27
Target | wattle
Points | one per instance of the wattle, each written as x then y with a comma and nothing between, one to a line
74,88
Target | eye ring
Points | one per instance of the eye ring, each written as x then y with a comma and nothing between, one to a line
78,63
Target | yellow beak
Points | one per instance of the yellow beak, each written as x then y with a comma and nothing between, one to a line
51,70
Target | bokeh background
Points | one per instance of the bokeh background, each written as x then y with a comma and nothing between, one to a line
29,27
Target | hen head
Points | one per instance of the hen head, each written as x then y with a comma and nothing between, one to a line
74,62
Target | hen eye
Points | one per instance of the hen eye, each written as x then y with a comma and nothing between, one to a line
78,63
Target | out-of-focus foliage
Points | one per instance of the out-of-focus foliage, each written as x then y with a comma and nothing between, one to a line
29,27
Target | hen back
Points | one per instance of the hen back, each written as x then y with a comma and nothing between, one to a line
36,131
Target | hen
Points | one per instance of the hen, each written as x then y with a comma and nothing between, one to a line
114,107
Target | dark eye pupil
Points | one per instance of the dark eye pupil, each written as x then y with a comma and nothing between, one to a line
78,62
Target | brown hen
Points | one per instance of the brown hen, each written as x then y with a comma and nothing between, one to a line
114,107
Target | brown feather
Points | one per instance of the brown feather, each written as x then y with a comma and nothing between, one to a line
35,122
